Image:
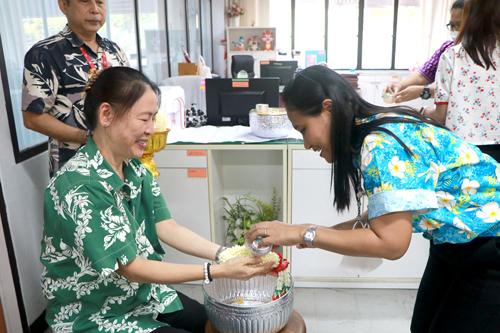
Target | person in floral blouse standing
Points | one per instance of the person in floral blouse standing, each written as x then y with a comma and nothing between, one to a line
418,176
468,79
104,218
56,71
420,82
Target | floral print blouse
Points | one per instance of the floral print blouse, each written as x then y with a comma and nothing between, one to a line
472,94
93,221
452,188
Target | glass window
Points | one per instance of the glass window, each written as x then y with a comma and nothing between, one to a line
120,28
176,18
153,39
280,16
22,24
343,17
193,17
206,31
309,25
409,17
55,18
377,34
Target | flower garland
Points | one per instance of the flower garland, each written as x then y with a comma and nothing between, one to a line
235,10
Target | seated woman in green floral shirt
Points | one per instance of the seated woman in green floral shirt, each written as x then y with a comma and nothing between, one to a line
104,219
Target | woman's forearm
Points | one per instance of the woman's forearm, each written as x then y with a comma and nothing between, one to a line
414,79
151,271
388,237
185,240
357,242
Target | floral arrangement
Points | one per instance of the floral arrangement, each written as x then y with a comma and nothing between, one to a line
245,211
235,10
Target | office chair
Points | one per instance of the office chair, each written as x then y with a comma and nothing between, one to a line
243,62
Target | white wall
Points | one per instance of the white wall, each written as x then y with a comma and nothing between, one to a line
23,185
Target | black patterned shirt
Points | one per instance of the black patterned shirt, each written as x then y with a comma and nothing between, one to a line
54,79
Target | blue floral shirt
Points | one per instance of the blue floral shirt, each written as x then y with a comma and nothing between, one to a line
452,188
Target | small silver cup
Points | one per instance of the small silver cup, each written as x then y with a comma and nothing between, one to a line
257,249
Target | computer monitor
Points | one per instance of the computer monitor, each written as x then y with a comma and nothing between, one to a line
284,70
230,100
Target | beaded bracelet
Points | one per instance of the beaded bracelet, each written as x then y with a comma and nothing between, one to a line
206,273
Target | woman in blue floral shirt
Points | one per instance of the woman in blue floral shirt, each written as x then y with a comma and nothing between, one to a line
419,177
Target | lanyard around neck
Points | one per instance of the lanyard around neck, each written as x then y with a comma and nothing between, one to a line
104,60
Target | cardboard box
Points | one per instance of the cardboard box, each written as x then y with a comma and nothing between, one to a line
185,68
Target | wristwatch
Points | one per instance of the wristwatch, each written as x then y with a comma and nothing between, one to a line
426,93
309,236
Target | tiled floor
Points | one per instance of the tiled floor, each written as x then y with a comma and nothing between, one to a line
347,310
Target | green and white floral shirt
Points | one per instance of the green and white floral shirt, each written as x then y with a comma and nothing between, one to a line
93,221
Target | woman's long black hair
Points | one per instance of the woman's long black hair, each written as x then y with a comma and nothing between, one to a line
305,94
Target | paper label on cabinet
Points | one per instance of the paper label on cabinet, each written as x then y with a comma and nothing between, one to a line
241,83
196,152
197,173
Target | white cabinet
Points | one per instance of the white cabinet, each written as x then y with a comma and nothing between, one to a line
195,178
236,170
251,41
311,201
184,184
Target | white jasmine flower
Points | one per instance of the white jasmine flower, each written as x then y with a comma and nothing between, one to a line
373,140
428,224
470,186
397,168
366,158
457,223
489,213
445,199
434,171
467,155
428,134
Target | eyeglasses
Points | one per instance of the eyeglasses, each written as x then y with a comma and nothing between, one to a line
452,26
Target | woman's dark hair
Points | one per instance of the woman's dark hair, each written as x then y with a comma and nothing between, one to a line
121,87
458,4
480,31
305,94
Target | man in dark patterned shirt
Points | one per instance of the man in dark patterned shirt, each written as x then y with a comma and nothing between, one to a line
56,71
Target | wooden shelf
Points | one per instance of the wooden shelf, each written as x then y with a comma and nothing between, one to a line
239,37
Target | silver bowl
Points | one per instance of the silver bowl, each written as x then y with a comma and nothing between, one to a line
258,313
271,126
